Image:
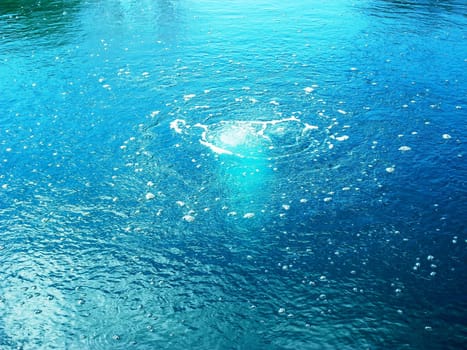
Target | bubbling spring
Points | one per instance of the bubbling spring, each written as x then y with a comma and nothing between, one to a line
247,153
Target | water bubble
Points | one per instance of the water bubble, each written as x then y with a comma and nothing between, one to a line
188,218
342,138
188,97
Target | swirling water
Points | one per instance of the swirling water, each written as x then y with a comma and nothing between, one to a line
233,175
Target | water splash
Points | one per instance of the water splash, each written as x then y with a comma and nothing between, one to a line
246,152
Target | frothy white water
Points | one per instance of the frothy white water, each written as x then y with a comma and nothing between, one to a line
254,138
245,153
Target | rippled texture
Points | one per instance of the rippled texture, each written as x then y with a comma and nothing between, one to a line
232,175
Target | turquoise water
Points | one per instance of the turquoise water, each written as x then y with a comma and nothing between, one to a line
233,175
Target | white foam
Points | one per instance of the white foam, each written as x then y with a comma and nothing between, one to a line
244,138
235,135
175,125
188,97
188,218
404,148
215,148
310,127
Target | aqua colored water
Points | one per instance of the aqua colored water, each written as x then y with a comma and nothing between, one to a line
233,174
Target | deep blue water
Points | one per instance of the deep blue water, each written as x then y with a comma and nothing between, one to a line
233,174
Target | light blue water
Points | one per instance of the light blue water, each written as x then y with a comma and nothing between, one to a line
233,175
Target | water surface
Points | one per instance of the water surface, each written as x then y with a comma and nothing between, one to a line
242,175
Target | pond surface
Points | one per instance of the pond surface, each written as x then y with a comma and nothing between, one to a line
233,175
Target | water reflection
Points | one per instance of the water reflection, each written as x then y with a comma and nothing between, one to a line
167,18
52,23
428,5
30,19
415,8
158,20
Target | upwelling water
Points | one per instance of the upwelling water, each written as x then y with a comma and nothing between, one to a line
233,174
